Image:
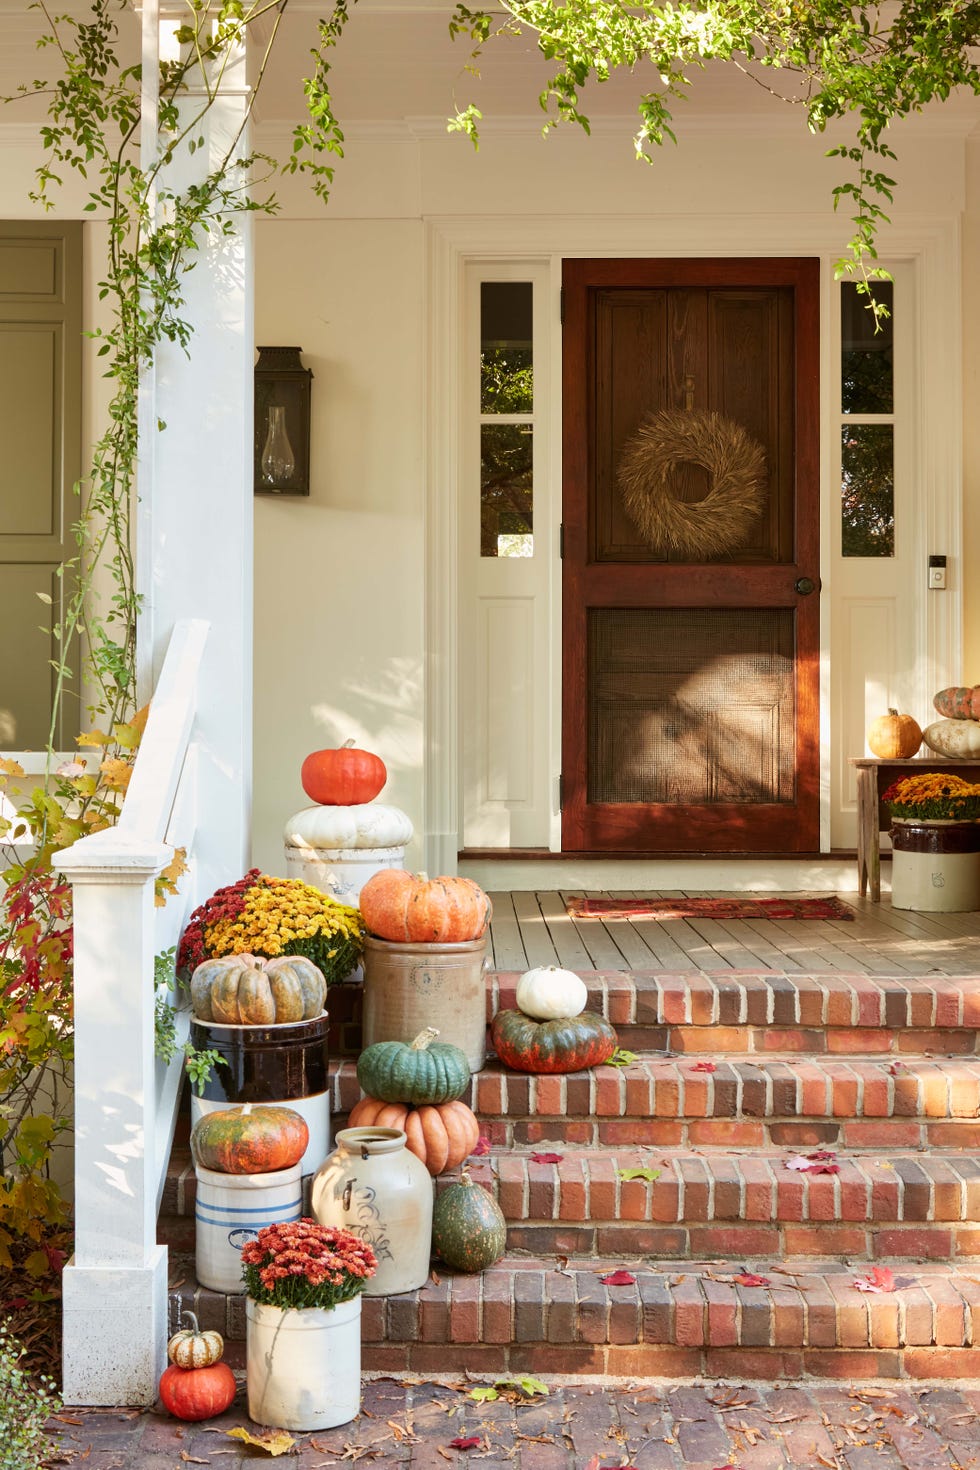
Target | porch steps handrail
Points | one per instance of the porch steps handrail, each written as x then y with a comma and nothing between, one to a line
125,1097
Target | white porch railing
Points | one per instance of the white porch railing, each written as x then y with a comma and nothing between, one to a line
115,1286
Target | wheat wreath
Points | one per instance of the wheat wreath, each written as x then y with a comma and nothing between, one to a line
733,459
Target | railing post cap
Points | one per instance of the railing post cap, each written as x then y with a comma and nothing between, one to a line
126,859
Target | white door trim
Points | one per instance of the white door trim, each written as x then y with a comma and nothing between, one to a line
931,244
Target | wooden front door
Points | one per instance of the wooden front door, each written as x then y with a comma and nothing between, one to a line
690,678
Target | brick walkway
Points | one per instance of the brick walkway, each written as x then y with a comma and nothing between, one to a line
647,1425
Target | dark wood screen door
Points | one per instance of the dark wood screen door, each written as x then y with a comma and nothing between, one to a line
690,681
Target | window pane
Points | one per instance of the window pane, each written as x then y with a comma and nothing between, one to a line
506,454
866,354
867,490
506,316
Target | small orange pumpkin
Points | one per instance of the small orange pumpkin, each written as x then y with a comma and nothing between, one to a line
894,736
441,1136
344,777
403,908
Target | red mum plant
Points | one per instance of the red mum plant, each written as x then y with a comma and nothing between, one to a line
302,1264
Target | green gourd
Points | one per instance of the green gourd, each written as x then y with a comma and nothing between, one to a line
469,1231
421,1071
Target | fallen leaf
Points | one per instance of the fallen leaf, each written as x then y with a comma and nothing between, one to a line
481,1147
810,1164
191,1459
648,1174
546,1158
705,1067
469,1443
562,1266
276,1443
749,1278
896,1067
878,1279
484,1395
618,1278
622,1058
435,1278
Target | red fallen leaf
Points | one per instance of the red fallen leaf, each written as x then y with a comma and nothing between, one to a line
705,1067
822,1155
808,1164
15,1304
896,1067
481,1147
546,1158
749,1278
878,1279
618,1278
459,1443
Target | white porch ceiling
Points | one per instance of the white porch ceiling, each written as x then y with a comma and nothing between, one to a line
397,62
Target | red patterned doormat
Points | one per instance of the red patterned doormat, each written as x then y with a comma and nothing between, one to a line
708,908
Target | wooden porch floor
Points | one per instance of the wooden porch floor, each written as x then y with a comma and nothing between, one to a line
533,929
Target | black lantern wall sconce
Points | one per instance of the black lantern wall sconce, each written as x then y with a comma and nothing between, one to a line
282,422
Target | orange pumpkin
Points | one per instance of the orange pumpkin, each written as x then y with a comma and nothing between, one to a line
441,1137
344,777
398,906
197,1393
894,736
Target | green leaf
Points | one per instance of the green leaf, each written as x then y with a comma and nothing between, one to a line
648,1174
622,1058
484,1395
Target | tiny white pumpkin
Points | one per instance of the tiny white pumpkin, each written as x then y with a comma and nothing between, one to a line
547,993
954,738
332,828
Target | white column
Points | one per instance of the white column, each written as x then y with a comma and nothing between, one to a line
196,508
115,1286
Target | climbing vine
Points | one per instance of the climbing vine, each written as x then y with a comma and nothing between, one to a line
153,231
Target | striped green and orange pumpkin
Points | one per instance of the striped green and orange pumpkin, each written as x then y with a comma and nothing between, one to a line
249,1140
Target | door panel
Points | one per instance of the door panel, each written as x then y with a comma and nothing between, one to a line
690,688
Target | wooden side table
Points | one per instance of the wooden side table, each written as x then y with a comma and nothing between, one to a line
874,776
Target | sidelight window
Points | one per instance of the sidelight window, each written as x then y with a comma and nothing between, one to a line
506,419
867,424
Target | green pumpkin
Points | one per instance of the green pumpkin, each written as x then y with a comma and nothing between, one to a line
247,990
569,1044
421,1071
469,1231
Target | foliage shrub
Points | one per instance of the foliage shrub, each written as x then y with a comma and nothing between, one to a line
25,1406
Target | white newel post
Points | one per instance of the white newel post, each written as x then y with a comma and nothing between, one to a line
115,1286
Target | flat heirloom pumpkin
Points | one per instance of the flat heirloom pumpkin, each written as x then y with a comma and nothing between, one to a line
405,909
469,1231
249,1140
954,738
247,990
569,1044
421,1071
959,704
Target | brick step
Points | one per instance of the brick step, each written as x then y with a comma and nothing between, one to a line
910,1207
751,1011
666,1102
526,1316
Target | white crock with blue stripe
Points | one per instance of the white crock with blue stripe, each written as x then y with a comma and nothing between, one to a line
231,1209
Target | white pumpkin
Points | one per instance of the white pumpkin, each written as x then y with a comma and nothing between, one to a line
550,994
954,738
330,828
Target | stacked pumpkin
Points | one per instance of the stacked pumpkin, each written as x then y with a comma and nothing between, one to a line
418,1087
551,1031
957,734
343,783
197,1383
